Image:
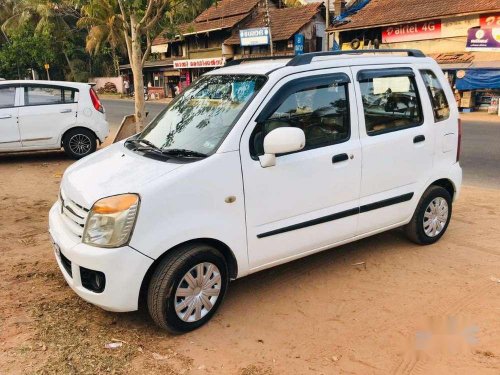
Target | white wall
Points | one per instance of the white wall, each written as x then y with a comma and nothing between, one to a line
101,81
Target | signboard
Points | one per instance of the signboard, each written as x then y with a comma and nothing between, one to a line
489,21
200,63
412,31
254,37
298,44
458,26
479,39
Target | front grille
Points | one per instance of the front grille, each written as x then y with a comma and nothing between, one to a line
73,215
66,263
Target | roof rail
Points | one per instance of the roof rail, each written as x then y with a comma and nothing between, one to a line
306,58
239,61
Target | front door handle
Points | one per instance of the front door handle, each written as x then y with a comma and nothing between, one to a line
5,116
339,158
67,110
419,138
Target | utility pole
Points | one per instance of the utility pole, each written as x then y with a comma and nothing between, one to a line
267,21
327,22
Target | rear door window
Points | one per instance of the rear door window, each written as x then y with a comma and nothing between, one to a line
437,96
42,95
7,97
390,100
45,95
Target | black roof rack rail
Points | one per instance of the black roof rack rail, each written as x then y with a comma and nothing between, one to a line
306,58
239,61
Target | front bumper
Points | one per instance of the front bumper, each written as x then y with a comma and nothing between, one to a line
123,267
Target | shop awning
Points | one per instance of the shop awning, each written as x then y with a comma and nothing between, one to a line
476,79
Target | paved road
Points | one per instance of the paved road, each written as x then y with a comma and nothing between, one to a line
116,109
480,147
480,158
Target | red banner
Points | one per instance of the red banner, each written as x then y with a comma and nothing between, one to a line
489,20
412,31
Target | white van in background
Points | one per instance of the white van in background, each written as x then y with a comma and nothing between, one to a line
45,115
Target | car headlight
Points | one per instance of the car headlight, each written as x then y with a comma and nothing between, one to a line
111,221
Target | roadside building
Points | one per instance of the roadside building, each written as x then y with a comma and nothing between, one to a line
213,38
462,35
306,20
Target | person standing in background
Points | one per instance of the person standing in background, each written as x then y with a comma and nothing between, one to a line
126,86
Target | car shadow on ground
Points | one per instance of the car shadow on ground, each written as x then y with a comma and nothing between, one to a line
33,157
352,258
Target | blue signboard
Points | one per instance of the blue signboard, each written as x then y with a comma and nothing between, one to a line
298,44
254,37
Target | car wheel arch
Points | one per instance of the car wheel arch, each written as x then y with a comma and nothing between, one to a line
75,128
225,250
447,184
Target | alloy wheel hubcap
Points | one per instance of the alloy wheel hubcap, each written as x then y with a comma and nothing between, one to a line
435,217
80,144
198,292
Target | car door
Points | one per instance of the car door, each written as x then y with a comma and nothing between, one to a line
47,112
309,199
397,143
9,130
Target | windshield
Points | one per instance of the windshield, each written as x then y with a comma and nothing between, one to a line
203,115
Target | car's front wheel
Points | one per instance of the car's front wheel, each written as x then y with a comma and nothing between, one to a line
432,216
79,142
187,288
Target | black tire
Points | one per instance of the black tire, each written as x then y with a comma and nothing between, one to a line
167,279
79,142
415,228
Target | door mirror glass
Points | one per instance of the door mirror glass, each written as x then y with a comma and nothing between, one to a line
281,141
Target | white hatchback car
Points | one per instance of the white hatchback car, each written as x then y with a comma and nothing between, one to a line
257,164
44,115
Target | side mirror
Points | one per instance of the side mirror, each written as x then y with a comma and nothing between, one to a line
281,141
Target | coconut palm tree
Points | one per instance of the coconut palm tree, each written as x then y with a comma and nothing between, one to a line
105,24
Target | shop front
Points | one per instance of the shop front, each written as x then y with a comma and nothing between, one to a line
159,76
192,69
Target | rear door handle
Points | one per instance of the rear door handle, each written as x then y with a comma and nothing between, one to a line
419,138
339,158
67,110
5,116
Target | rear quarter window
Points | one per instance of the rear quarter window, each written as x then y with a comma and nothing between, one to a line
437,96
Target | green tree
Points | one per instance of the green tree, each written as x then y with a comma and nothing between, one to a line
139,22
105,29
25,50
50,17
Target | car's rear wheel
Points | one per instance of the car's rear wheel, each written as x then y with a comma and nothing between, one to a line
431,218
80,142
187,288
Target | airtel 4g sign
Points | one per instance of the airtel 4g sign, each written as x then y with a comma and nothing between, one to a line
412,31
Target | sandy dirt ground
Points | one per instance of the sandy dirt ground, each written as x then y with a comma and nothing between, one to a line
405,310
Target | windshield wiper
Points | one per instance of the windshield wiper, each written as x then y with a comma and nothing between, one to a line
139,141
183,152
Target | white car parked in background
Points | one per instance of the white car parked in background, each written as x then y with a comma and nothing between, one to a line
254,165
44,115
